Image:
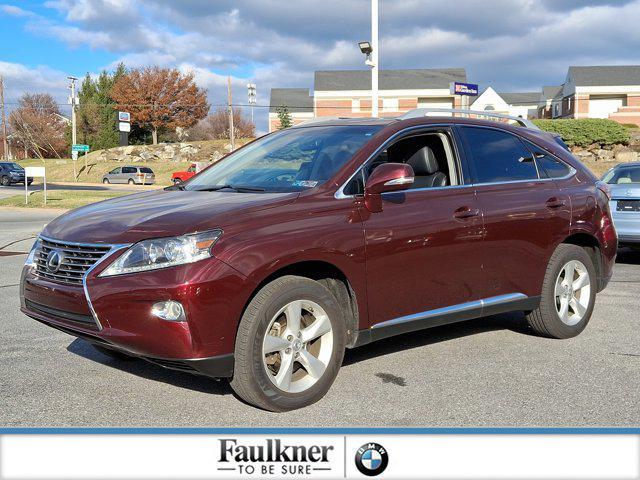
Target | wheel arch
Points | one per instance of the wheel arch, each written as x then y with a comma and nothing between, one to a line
329,275
592,246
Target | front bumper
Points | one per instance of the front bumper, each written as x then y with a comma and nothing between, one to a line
220,366
211,292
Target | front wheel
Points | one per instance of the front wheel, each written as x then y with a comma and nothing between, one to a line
290,345
568,294
105,181
5,181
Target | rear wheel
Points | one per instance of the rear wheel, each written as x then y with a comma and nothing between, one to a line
5,181
568,294
131,181
290,345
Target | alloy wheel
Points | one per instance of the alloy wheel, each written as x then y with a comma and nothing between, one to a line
572,292
297,346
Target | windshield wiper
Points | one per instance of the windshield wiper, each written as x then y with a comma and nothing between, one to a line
237,188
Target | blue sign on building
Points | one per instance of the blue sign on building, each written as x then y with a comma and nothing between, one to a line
459,88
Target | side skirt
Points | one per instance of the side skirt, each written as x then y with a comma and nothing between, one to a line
442,316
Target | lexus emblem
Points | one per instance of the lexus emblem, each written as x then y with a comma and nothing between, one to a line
54,260
629,193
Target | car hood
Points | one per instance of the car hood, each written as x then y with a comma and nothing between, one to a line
622,191
161,213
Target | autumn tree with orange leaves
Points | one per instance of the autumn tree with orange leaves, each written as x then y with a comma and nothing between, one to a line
160,99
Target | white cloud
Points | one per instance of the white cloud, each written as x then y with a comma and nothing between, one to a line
511,44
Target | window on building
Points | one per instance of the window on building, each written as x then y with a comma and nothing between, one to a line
390,104
489,108
498,156
355,105
569,104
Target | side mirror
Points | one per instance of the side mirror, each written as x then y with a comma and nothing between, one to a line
389,177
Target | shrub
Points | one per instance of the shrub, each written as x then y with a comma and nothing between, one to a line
587,131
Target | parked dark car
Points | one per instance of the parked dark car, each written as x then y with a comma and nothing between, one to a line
387,226
624,182
11,172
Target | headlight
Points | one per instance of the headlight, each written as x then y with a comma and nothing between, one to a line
31,258
164,252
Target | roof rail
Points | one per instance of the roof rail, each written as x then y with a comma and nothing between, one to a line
423,112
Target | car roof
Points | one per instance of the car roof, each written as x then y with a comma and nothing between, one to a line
627,165
415,121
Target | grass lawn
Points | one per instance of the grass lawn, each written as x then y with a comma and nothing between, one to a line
61,170
61,198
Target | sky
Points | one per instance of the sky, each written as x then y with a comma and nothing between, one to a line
511,45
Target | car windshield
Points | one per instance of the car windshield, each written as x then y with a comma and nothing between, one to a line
287,161
623,175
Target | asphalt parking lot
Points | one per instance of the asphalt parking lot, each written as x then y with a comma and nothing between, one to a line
488,372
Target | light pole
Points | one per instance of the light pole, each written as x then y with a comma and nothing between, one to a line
370,49
252,95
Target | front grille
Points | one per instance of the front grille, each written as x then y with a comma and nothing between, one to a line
76,259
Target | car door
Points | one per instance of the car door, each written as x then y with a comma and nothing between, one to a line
422,250
112,176
525,216
127,174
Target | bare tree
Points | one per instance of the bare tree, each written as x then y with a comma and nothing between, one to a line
38,127
216,126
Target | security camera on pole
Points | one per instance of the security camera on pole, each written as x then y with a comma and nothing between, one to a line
370,49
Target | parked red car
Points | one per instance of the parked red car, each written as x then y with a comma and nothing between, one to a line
380,227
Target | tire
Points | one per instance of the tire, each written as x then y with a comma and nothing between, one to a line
29,183
115,354
131,181
546,319
5,181
105,181
177,181
254,378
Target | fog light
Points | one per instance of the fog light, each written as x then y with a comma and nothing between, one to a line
169,310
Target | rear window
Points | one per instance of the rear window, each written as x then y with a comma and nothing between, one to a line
146,170
623,175
498,156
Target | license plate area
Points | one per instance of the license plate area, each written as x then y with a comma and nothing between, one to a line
628,206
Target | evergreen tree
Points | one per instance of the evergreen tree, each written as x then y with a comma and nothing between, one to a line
97,113
284,116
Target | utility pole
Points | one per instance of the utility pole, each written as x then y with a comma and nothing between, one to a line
4,121
73,101
374,58
232,136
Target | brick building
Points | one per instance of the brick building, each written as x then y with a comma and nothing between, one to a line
595,92
348,93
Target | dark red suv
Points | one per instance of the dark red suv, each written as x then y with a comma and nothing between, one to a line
264,267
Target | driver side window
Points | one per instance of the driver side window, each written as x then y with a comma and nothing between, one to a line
429,154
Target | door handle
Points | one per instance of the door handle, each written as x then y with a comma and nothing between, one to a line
554,202
463,213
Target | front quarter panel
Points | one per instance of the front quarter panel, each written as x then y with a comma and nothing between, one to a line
315,228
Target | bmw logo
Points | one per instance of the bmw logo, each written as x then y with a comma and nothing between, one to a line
54,260
372,459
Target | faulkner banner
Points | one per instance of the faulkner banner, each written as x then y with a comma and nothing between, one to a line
397,456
